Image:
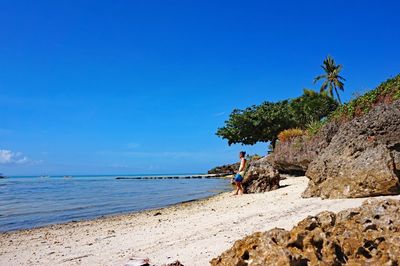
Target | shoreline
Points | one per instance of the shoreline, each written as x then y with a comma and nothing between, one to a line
192,232
114,197
114,216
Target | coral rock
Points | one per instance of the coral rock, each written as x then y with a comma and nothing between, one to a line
261,177
294,156
362,159
368,235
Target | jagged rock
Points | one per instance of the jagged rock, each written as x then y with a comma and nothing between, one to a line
368,235
261,177
362,159
294,156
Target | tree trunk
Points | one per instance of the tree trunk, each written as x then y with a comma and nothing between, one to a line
273,143
338,97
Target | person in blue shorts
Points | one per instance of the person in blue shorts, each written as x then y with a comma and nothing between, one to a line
240,174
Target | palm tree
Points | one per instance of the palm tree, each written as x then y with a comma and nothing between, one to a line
333,81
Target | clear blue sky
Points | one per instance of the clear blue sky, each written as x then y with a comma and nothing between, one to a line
110,87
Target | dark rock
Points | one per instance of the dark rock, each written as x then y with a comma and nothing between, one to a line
261,177
176,263
368,235
227,169
362,159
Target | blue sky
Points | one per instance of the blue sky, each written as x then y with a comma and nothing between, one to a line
112,87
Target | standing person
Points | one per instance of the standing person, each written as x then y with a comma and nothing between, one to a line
240,174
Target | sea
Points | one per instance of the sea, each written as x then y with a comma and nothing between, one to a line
31,201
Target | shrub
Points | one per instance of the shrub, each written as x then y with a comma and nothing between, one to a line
253,157
386,92
291,133
314,127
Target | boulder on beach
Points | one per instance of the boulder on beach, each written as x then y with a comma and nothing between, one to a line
363,158
261,176
368,235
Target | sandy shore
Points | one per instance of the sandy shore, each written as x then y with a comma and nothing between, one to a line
192,232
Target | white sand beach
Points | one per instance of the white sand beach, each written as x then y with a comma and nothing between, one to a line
192,233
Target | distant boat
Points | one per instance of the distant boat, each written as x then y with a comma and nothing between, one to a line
2,176
44,176
67,176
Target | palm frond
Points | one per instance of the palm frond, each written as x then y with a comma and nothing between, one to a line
317,78
324,86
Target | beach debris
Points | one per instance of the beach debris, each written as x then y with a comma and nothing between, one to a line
78,258
103,238
157,213
175,263
138,262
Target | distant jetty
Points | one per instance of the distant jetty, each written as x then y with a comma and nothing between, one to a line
173,177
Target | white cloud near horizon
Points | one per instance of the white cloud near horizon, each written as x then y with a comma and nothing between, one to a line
10,157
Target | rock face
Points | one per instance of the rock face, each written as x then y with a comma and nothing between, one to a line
369,235
294,156
261,177
362,159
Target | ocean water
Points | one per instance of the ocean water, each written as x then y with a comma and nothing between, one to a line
27,202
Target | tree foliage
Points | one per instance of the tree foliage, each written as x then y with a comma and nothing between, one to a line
264,122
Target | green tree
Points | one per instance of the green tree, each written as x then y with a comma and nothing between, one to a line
264,122
256,123
311,107
332,79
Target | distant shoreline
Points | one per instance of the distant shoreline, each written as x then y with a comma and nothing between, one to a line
176,176
136,176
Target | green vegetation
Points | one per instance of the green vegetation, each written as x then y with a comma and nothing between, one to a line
314,127
253,157
310,107
306,114
332,79
264,122
386,92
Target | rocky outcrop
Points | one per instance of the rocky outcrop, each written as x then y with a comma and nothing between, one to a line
294,156
261,177
362,159
369,235
227,169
